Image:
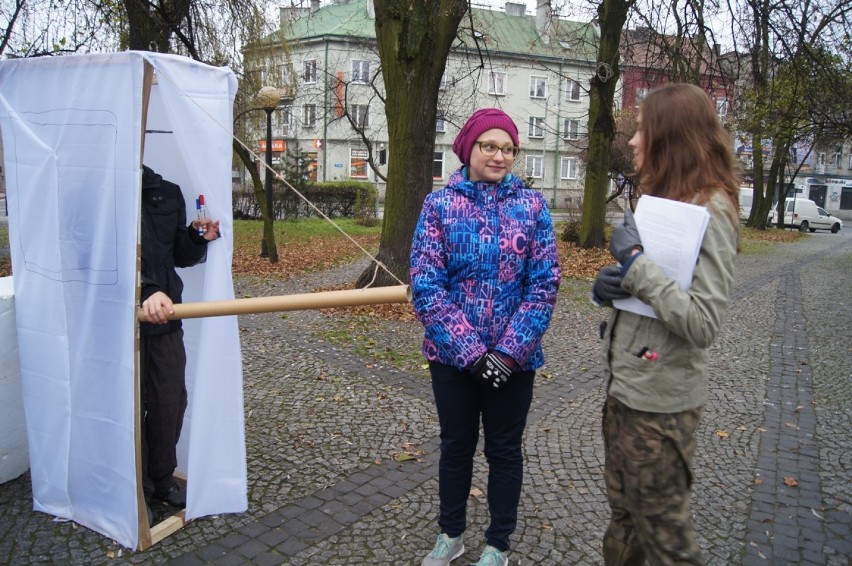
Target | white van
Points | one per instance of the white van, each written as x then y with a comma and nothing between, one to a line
804,214
746,197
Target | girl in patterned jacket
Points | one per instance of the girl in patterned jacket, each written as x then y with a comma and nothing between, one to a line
484,273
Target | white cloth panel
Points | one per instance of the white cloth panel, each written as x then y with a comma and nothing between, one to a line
197,108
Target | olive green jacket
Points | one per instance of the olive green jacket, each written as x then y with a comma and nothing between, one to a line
687,323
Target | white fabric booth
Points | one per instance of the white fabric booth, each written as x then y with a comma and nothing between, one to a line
75,132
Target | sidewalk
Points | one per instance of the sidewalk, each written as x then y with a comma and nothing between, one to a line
323,423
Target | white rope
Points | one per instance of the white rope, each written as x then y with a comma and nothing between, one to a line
292,188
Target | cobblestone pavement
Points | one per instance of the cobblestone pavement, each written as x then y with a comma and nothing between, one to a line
326,414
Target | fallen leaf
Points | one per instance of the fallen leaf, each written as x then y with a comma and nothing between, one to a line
758,481
817,515
722,434
476,492
403,457
790,482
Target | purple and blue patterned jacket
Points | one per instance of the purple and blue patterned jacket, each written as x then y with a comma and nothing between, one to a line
484,271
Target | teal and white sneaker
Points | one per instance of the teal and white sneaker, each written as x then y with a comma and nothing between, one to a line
446,550
492,557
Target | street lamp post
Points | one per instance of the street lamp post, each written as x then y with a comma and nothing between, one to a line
268,98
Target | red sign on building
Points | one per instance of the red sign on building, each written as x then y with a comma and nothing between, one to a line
277,145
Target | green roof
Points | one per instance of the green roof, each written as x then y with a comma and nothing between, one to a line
342,20
501,32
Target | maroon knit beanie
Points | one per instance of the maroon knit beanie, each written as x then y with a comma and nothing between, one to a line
482,120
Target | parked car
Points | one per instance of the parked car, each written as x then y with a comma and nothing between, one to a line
804,214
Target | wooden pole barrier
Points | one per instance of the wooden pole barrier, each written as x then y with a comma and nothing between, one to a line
306,301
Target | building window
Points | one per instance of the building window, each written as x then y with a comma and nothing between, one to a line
569,168
538,87
309,161
535,166
838,155
571,129
284,72
496,83
360,114
310,73
821,158
438,165
441,122
257,76
358,163
641,93
309,120
536,127
850,162
360,71
721,107
572,90
285,117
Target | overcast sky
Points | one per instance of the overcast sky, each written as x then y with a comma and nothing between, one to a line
573,9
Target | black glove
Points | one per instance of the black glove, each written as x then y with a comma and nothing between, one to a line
624,238
491,370
607,286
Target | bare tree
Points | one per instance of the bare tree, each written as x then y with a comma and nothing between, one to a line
414,40
612,15
787,52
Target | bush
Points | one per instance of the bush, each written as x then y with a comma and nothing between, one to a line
571,232
338,199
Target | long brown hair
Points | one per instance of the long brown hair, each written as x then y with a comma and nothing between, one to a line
687,154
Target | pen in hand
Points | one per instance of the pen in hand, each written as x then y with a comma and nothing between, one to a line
201,212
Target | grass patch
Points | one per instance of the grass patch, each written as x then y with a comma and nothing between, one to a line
356,332
757,242
5,259
249,232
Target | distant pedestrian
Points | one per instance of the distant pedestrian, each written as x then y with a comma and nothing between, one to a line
484,272
657,367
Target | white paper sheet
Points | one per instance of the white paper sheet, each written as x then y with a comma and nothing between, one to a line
671,233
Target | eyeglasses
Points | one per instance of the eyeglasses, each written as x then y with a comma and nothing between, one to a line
490,149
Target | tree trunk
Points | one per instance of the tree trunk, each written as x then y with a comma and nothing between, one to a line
414,39
611,16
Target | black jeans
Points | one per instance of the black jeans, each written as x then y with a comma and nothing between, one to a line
163,394
461,399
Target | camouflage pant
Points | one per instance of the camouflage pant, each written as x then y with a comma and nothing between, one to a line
648,480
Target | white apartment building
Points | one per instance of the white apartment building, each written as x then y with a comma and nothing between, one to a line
325,62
